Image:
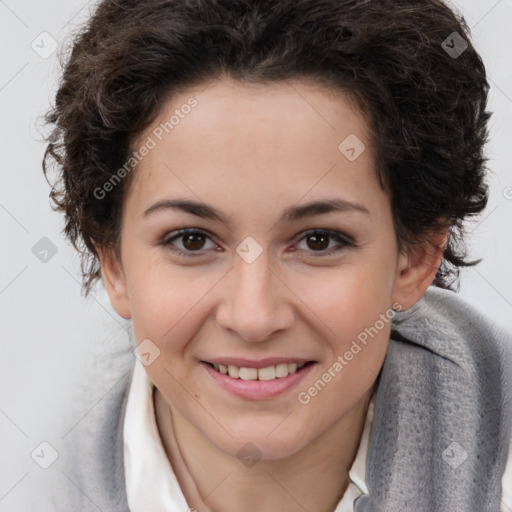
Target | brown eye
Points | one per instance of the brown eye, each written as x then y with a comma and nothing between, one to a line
192,241
318,241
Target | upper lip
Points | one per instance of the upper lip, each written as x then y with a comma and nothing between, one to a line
262,363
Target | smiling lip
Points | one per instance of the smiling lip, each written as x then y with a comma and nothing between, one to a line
263,363
258,389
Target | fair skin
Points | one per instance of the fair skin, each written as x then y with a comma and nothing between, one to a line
252,151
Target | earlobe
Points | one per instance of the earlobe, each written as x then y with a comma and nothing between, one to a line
417,268
114,282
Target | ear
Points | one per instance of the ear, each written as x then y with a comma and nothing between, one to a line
114,281
417,268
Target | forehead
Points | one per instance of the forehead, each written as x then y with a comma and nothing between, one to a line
228,134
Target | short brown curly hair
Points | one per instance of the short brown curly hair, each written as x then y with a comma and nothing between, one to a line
409,65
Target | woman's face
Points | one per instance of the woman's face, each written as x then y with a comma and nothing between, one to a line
290,253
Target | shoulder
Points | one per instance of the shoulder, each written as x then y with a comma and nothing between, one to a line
91,454
447,324
446,378
86,472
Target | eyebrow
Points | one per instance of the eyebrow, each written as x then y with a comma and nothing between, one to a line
291,214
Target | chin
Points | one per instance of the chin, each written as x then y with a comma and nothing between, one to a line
259,444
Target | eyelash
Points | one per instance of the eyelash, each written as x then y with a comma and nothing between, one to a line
345,241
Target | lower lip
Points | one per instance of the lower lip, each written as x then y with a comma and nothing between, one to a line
258,389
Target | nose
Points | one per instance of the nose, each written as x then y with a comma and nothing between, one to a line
256,302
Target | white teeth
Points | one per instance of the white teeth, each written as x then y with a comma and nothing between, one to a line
248,373
282,370
292,367
233,371
268,373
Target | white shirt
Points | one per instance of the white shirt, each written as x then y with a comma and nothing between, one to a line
151,484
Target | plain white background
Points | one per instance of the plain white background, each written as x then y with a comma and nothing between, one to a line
50,335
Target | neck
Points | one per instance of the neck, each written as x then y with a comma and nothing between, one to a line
314,478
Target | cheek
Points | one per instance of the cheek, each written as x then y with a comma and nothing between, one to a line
354,309
162,295
347,299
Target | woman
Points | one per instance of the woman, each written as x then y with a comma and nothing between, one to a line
274,194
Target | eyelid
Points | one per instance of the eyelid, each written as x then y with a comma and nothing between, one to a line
175,235
334,234
344,240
